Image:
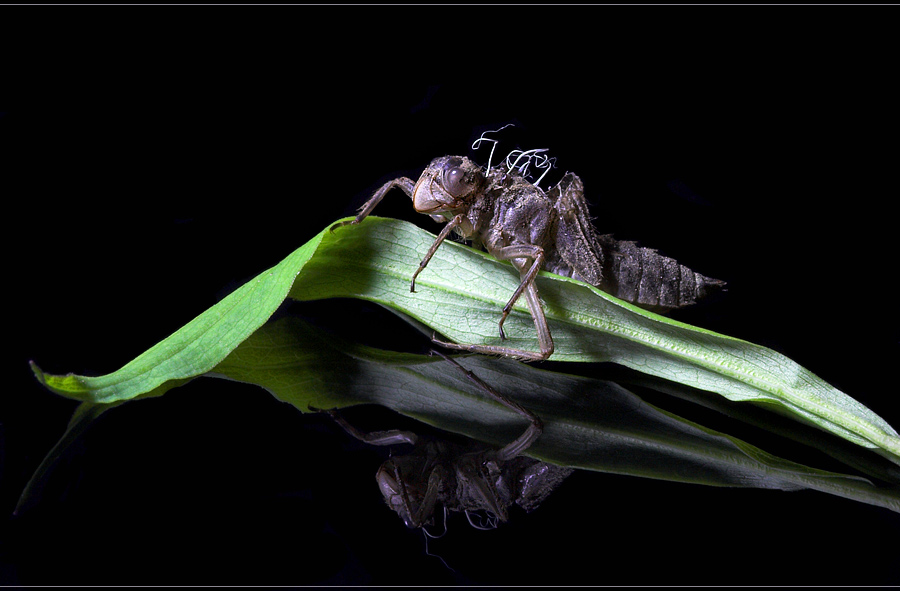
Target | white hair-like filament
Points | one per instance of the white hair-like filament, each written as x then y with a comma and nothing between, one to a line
477,143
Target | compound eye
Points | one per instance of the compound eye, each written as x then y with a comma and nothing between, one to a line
455,181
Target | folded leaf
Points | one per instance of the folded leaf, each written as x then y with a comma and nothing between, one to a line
460,295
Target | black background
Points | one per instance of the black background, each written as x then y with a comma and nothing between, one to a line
156,158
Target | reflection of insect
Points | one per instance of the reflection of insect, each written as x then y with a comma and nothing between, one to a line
498,209
468,478
472,478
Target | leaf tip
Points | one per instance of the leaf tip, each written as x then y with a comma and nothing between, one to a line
37,371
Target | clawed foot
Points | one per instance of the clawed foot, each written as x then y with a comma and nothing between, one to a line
342,224
510,352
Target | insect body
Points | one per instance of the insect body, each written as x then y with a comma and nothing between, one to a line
472,478
464,479
500,210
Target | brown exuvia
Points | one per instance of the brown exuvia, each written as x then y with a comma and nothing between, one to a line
497,208
472,478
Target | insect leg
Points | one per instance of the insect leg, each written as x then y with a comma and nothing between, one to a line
426,507
526,286
393,486
518,251
545,340
448,227
376,437
524,441
404,183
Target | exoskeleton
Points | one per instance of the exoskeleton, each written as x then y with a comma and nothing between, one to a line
472,478
500,210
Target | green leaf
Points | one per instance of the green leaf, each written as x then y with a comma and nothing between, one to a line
198,346
588,423
460,295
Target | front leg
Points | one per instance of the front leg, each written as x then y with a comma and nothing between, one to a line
448,227
391,437
403,183
393,485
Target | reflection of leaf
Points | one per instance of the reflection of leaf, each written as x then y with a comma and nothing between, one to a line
84,415
460,295
590,424
840,449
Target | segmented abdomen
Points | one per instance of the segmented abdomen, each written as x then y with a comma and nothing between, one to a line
648,279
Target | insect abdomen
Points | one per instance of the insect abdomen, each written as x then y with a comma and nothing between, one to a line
648,279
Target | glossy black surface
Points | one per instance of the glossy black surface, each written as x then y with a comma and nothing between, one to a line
159,162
